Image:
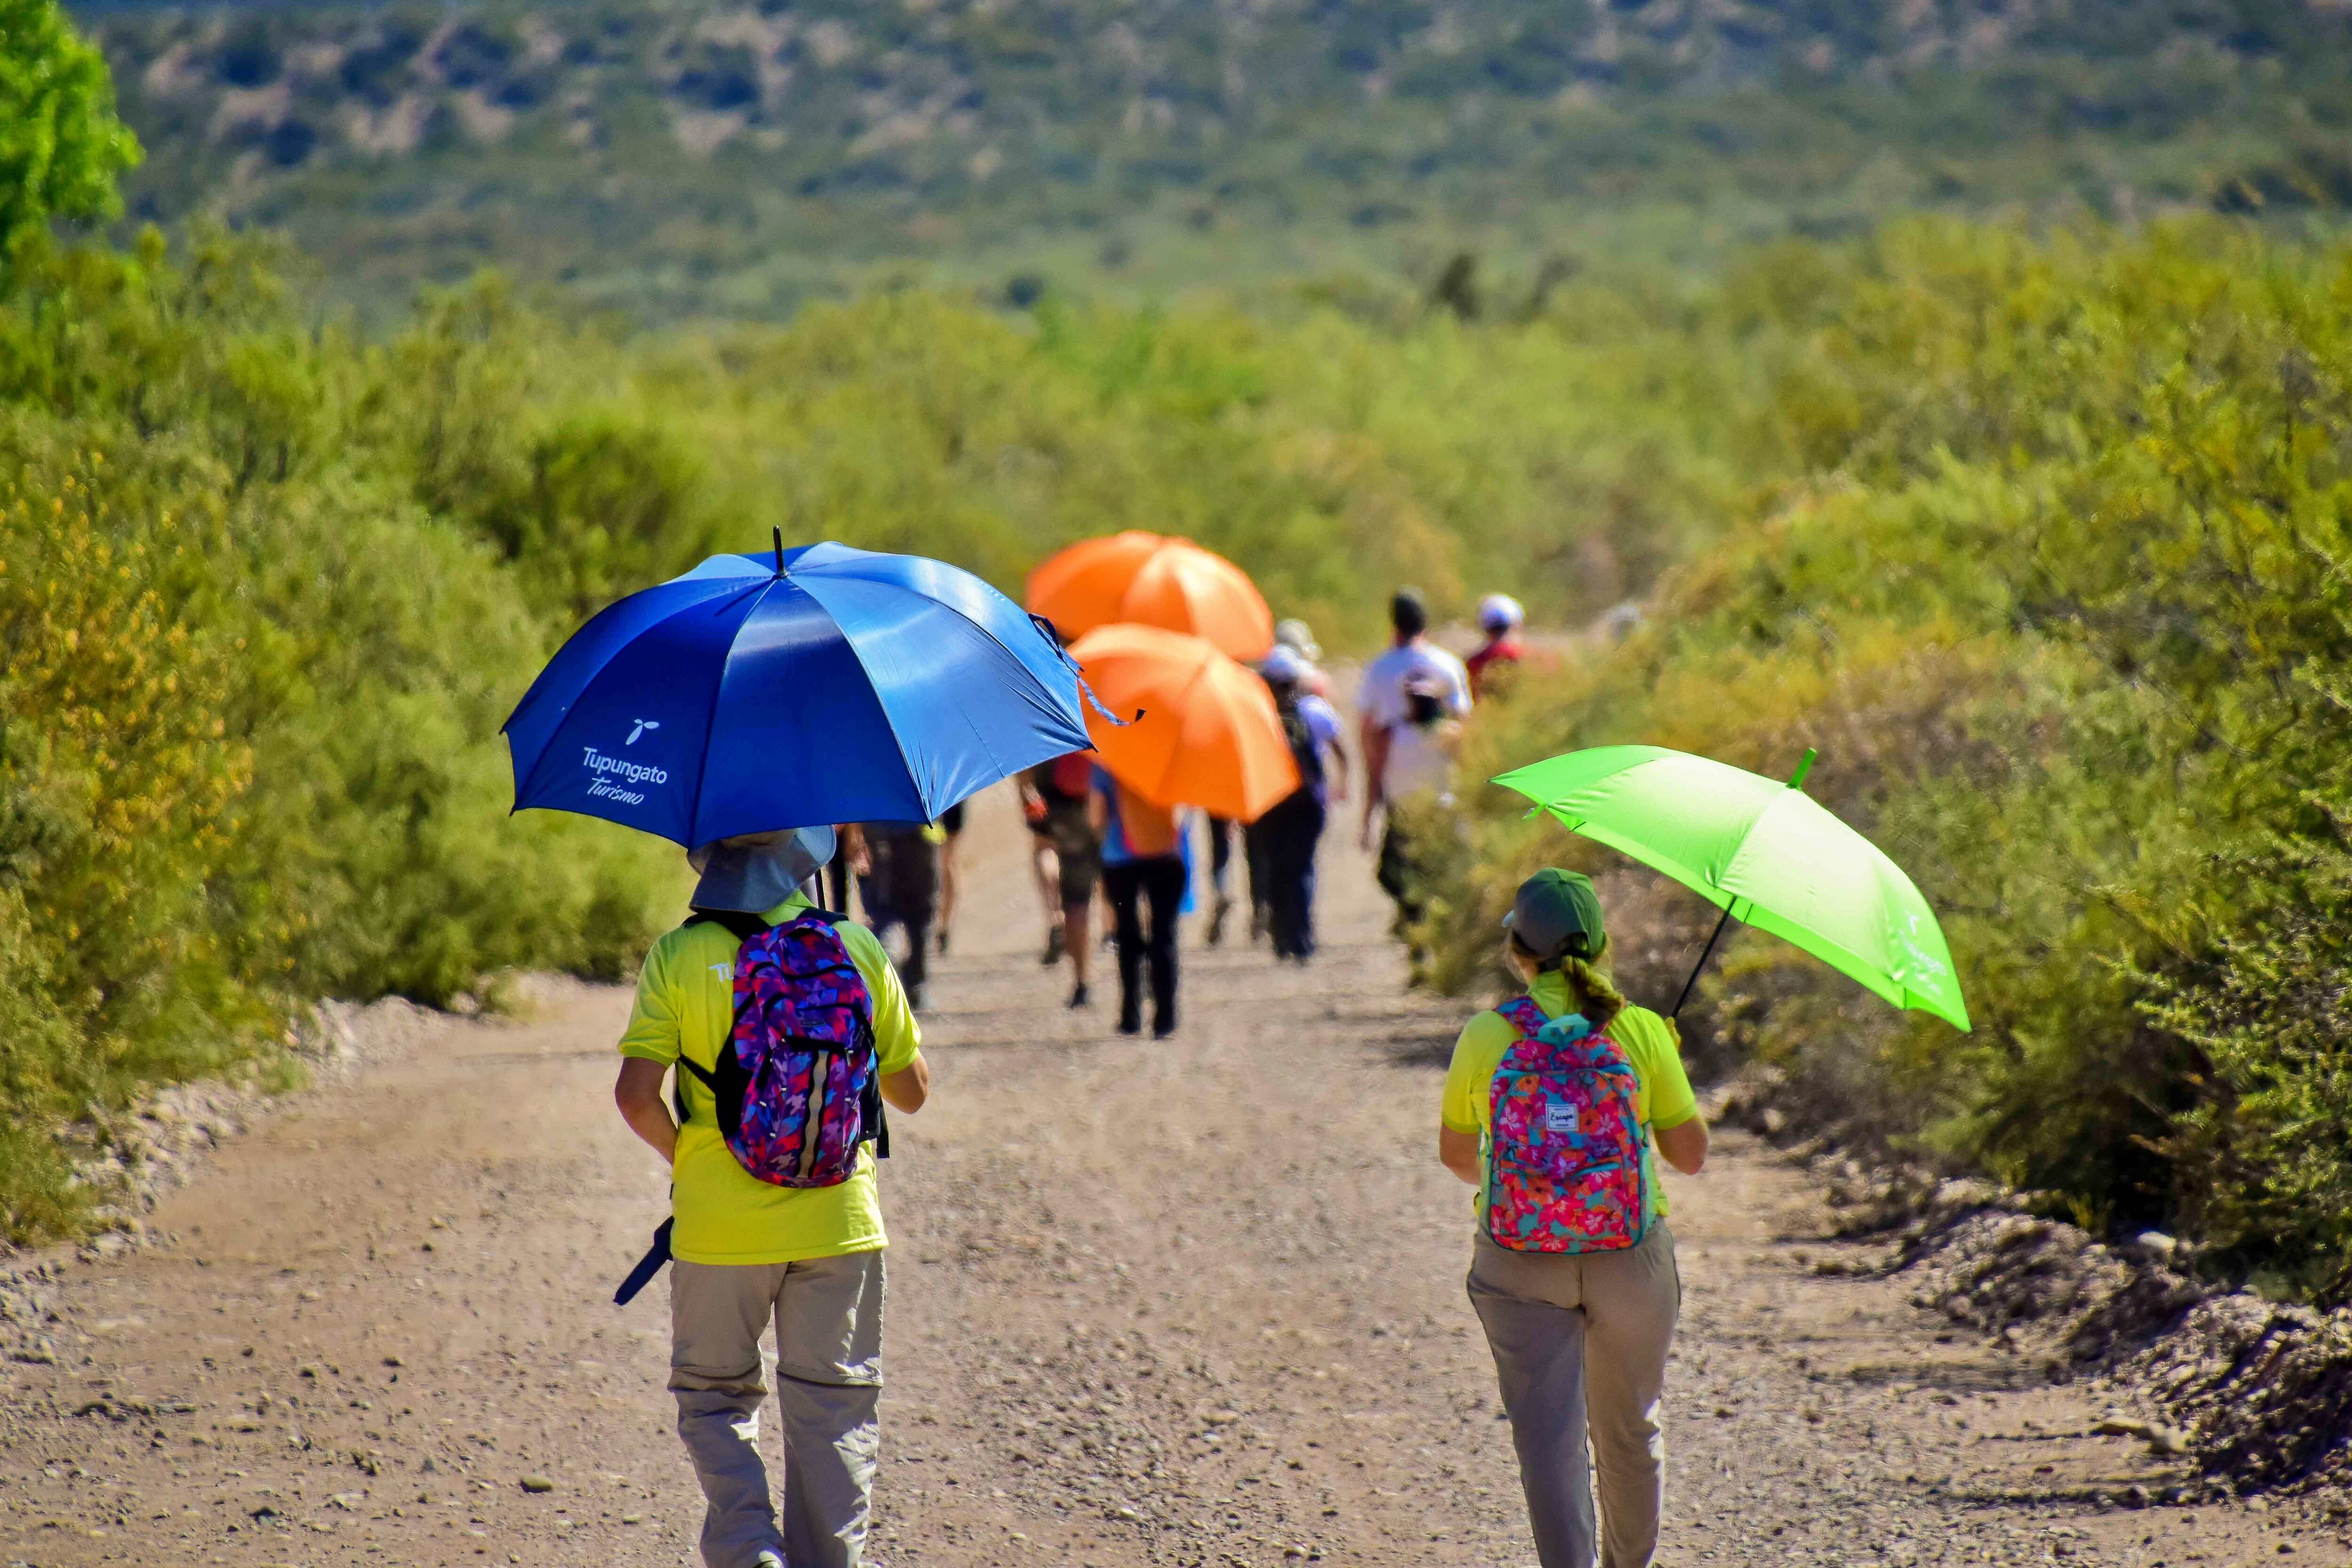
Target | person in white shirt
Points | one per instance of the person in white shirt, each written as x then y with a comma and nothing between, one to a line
1410,707
1422,750
1381,701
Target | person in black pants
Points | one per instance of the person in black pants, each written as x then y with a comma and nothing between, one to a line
1143,873
899,885
1293,829
1285,836
1158,882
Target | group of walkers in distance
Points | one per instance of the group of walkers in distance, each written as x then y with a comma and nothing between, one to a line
1091,831
1091,835
1572,1278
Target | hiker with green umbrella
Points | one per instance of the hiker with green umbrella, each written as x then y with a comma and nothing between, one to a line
1560,1102
1557,1105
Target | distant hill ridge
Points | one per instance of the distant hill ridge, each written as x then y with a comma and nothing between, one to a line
684,143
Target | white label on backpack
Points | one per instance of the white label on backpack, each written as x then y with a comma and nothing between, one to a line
1559,1118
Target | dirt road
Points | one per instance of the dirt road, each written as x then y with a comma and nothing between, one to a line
1197,1302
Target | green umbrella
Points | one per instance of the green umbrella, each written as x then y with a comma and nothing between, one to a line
1768,855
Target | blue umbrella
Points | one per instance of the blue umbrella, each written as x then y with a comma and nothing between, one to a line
816,685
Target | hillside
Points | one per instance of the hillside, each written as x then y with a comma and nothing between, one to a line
703,158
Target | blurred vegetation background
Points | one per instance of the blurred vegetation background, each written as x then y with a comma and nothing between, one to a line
2031,512
702,158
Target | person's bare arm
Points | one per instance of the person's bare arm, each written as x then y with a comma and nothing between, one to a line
1376,762
1458,1152
639,1093
1685,1145
909,1087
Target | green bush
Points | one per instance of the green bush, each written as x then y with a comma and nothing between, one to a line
251,697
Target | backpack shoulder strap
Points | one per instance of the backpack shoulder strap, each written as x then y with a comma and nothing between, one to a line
1522,1014
744,926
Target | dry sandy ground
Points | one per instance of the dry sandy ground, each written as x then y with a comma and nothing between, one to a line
1191,1303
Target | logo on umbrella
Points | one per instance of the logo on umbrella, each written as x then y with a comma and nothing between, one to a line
643,725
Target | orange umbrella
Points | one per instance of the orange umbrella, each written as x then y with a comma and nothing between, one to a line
1209,736
1153,579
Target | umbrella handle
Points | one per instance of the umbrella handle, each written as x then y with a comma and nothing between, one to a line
1705,953
1796,782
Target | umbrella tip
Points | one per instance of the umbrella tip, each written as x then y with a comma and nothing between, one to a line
778,534
1804,766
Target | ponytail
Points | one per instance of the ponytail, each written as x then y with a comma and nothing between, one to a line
1596,995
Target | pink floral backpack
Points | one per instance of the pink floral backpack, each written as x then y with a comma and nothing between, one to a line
797,1084
1565,1166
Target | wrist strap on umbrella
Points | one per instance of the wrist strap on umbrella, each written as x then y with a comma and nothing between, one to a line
655,1257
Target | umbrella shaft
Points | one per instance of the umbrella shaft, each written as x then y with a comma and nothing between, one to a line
1705,953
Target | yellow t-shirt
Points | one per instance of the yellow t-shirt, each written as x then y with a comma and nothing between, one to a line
686,1002
1664,1099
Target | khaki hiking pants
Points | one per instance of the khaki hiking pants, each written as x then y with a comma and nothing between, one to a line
827,1313
1580,1344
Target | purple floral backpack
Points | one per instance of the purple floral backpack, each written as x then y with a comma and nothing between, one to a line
1565,1170
797,1085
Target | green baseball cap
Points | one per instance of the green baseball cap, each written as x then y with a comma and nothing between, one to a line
1556,915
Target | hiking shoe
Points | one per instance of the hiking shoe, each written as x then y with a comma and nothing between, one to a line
943,943
1162,1031
1053,948
1079,998
767,1560
1131,1025
1224,907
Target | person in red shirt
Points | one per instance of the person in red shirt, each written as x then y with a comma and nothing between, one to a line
1500,617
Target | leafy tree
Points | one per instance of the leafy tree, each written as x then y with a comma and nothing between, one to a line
61,146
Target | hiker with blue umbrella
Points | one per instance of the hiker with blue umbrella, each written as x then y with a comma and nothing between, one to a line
742,710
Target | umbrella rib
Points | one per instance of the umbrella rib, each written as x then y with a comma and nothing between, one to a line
956,610
1192,681
710,719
